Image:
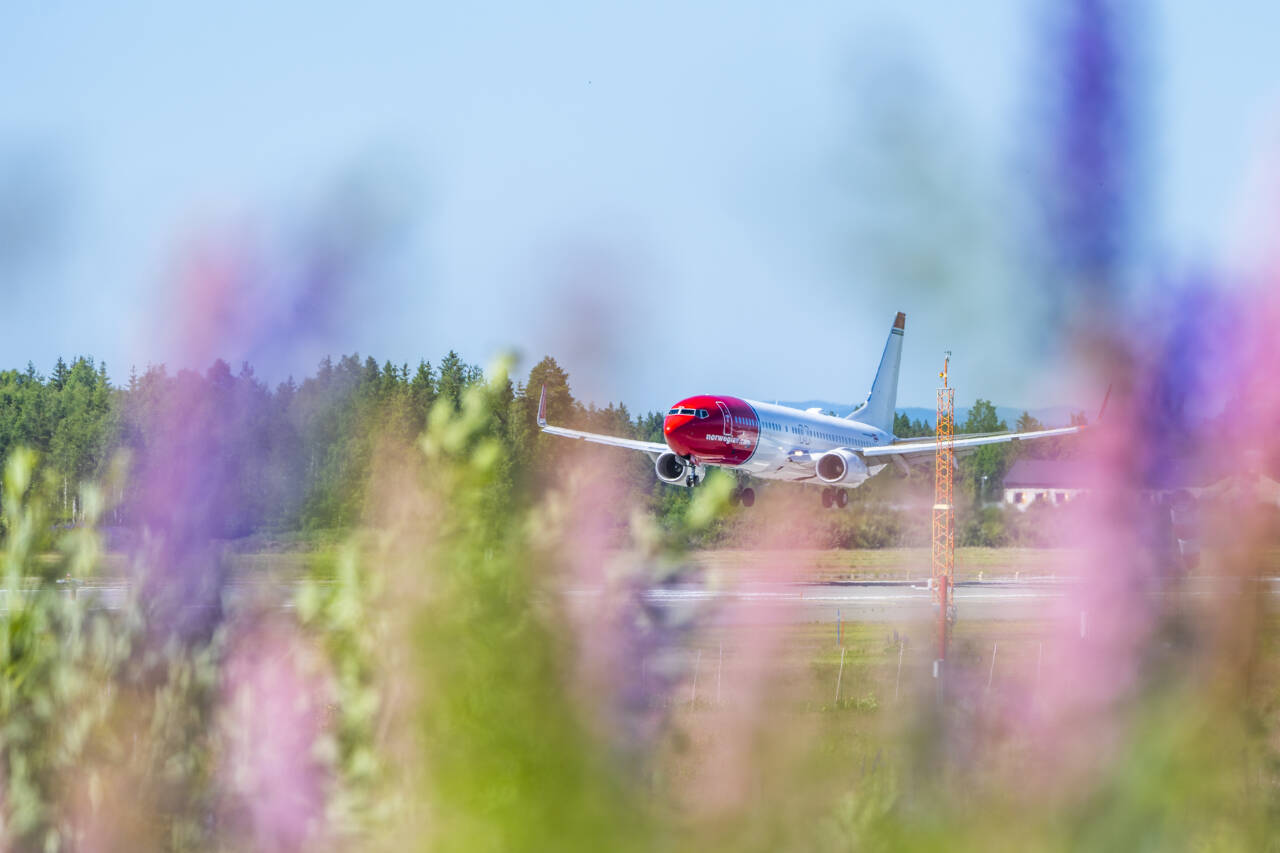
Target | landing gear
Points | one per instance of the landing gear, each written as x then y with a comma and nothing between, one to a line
842,498
828,495
746,497
835,498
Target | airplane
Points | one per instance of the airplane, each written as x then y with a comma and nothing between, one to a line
772,442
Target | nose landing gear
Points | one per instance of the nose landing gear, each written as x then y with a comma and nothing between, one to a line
835,498
745,497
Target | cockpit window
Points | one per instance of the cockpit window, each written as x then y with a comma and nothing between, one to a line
702,413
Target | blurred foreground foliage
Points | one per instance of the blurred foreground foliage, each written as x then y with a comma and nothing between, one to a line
55,657
449,664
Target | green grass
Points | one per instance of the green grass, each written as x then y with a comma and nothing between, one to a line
817,565
897,564
832,773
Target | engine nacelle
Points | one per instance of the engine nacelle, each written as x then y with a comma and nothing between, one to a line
842,466
671,468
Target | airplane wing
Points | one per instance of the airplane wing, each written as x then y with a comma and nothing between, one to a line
916,451
653,448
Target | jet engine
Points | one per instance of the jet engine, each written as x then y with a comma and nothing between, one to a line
842,466
676,469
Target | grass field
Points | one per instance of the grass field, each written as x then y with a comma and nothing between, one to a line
816,565
854,727
890,563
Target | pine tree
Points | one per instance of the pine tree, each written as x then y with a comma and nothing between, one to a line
324,374
560,402
60,374
984,469
452,378
390,379
423,387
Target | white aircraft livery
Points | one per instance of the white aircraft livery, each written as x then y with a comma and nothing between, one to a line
780,443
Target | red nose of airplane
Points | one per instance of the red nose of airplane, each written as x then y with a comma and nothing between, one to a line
716,430
678,428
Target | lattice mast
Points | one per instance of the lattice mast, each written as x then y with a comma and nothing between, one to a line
944,518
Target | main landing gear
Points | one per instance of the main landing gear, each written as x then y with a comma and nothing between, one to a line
835,497
746,497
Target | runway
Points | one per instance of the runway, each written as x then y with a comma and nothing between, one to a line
897,601
1025,599
872,601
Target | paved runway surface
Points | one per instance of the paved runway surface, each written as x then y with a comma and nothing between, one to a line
860,602
884,601
854,601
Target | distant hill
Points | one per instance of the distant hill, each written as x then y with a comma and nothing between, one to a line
1050,416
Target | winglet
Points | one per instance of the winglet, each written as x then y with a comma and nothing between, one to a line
542,407
900,322
1102,411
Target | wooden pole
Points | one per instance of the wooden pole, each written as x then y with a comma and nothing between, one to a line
1039,659
991,674
693,699
898,680
719,666
840,676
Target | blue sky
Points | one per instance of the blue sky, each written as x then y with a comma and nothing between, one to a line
645,191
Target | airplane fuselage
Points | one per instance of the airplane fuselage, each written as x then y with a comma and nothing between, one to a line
763,439
780,443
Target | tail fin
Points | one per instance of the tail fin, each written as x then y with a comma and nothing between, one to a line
880,405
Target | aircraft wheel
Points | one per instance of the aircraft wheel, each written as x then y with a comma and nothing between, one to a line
842,498
748,497
826,498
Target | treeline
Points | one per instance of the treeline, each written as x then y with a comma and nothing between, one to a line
72,418
299,456
294,457
980,476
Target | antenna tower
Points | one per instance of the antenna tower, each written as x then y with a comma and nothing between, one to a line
944,518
